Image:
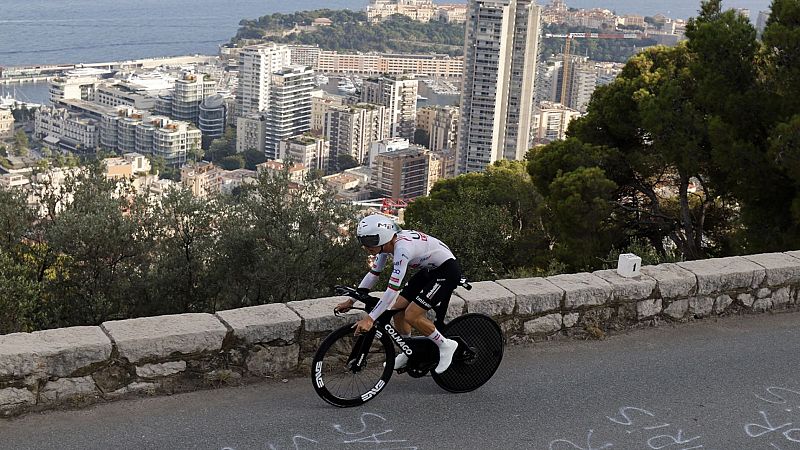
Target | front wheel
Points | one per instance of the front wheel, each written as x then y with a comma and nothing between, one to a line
348,371
474,365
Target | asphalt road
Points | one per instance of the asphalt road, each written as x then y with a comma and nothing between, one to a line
724,384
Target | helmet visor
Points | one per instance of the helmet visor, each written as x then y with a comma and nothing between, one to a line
370,240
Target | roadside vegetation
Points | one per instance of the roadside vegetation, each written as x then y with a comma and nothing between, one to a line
692,152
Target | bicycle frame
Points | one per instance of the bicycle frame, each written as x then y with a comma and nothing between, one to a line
364,342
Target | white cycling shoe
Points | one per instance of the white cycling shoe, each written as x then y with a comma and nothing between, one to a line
400,361
446,352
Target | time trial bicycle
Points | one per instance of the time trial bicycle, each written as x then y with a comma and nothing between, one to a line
349,370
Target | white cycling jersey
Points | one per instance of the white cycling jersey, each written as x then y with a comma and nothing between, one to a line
412,249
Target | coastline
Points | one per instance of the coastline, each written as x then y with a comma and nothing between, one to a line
46,72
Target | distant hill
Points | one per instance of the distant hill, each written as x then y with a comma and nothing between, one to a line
350,32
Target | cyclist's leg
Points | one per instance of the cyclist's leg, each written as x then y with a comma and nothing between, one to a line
441,284
400,323
410,291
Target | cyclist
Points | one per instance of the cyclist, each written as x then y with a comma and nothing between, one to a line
438,276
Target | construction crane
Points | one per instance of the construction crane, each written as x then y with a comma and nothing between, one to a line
566,67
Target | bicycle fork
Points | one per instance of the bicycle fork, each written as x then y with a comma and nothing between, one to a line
358,356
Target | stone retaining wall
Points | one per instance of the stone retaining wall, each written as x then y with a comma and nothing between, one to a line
166,354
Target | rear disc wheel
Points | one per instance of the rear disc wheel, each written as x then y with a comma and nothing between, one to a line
482,336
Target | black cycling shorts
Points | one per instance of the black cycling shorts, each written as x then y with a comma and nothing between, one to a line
428,288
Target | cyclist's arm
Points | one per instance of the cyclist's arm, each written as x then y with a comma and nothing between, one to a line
393,290
374,272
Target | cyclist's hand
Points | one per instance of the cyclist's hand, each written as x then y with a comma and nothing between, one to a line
363,325
344,306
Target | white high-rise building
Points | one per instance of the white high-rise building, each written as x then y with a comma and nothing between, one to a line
256,65
352,129
399,96
501,51
761,21
289,112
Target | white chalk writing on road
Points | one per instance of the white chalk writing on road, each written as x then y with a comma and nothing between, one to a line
641,421
367,431
775,423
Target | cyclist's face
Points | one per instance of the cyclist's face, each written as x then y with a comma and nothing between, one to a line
372,250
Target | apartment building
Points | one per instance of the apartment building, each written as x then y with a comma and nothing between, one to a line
127,166
384,146
501,51
212,119
289,111
189,91
352,129
251,133
297,172
402,174
203,178
425,118
452,13
305,55
550,122
256,65
399,96
128,130
320,102
434,65
443,130
6,123
311,151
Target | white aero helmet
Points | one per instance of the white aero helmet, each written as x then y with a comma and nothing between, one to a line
376,230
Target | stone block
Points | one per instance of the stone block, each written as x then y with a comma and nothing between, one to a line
625,289
66,388
544,325
15,398
133,388
673,281
677,309
746,299
265,361
52,353
782,296
701,306
762,304
571,319
781,268
534,295
160,370
721,303
648,308
317,314
160,337
487,297
724,274
263,324
582,289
